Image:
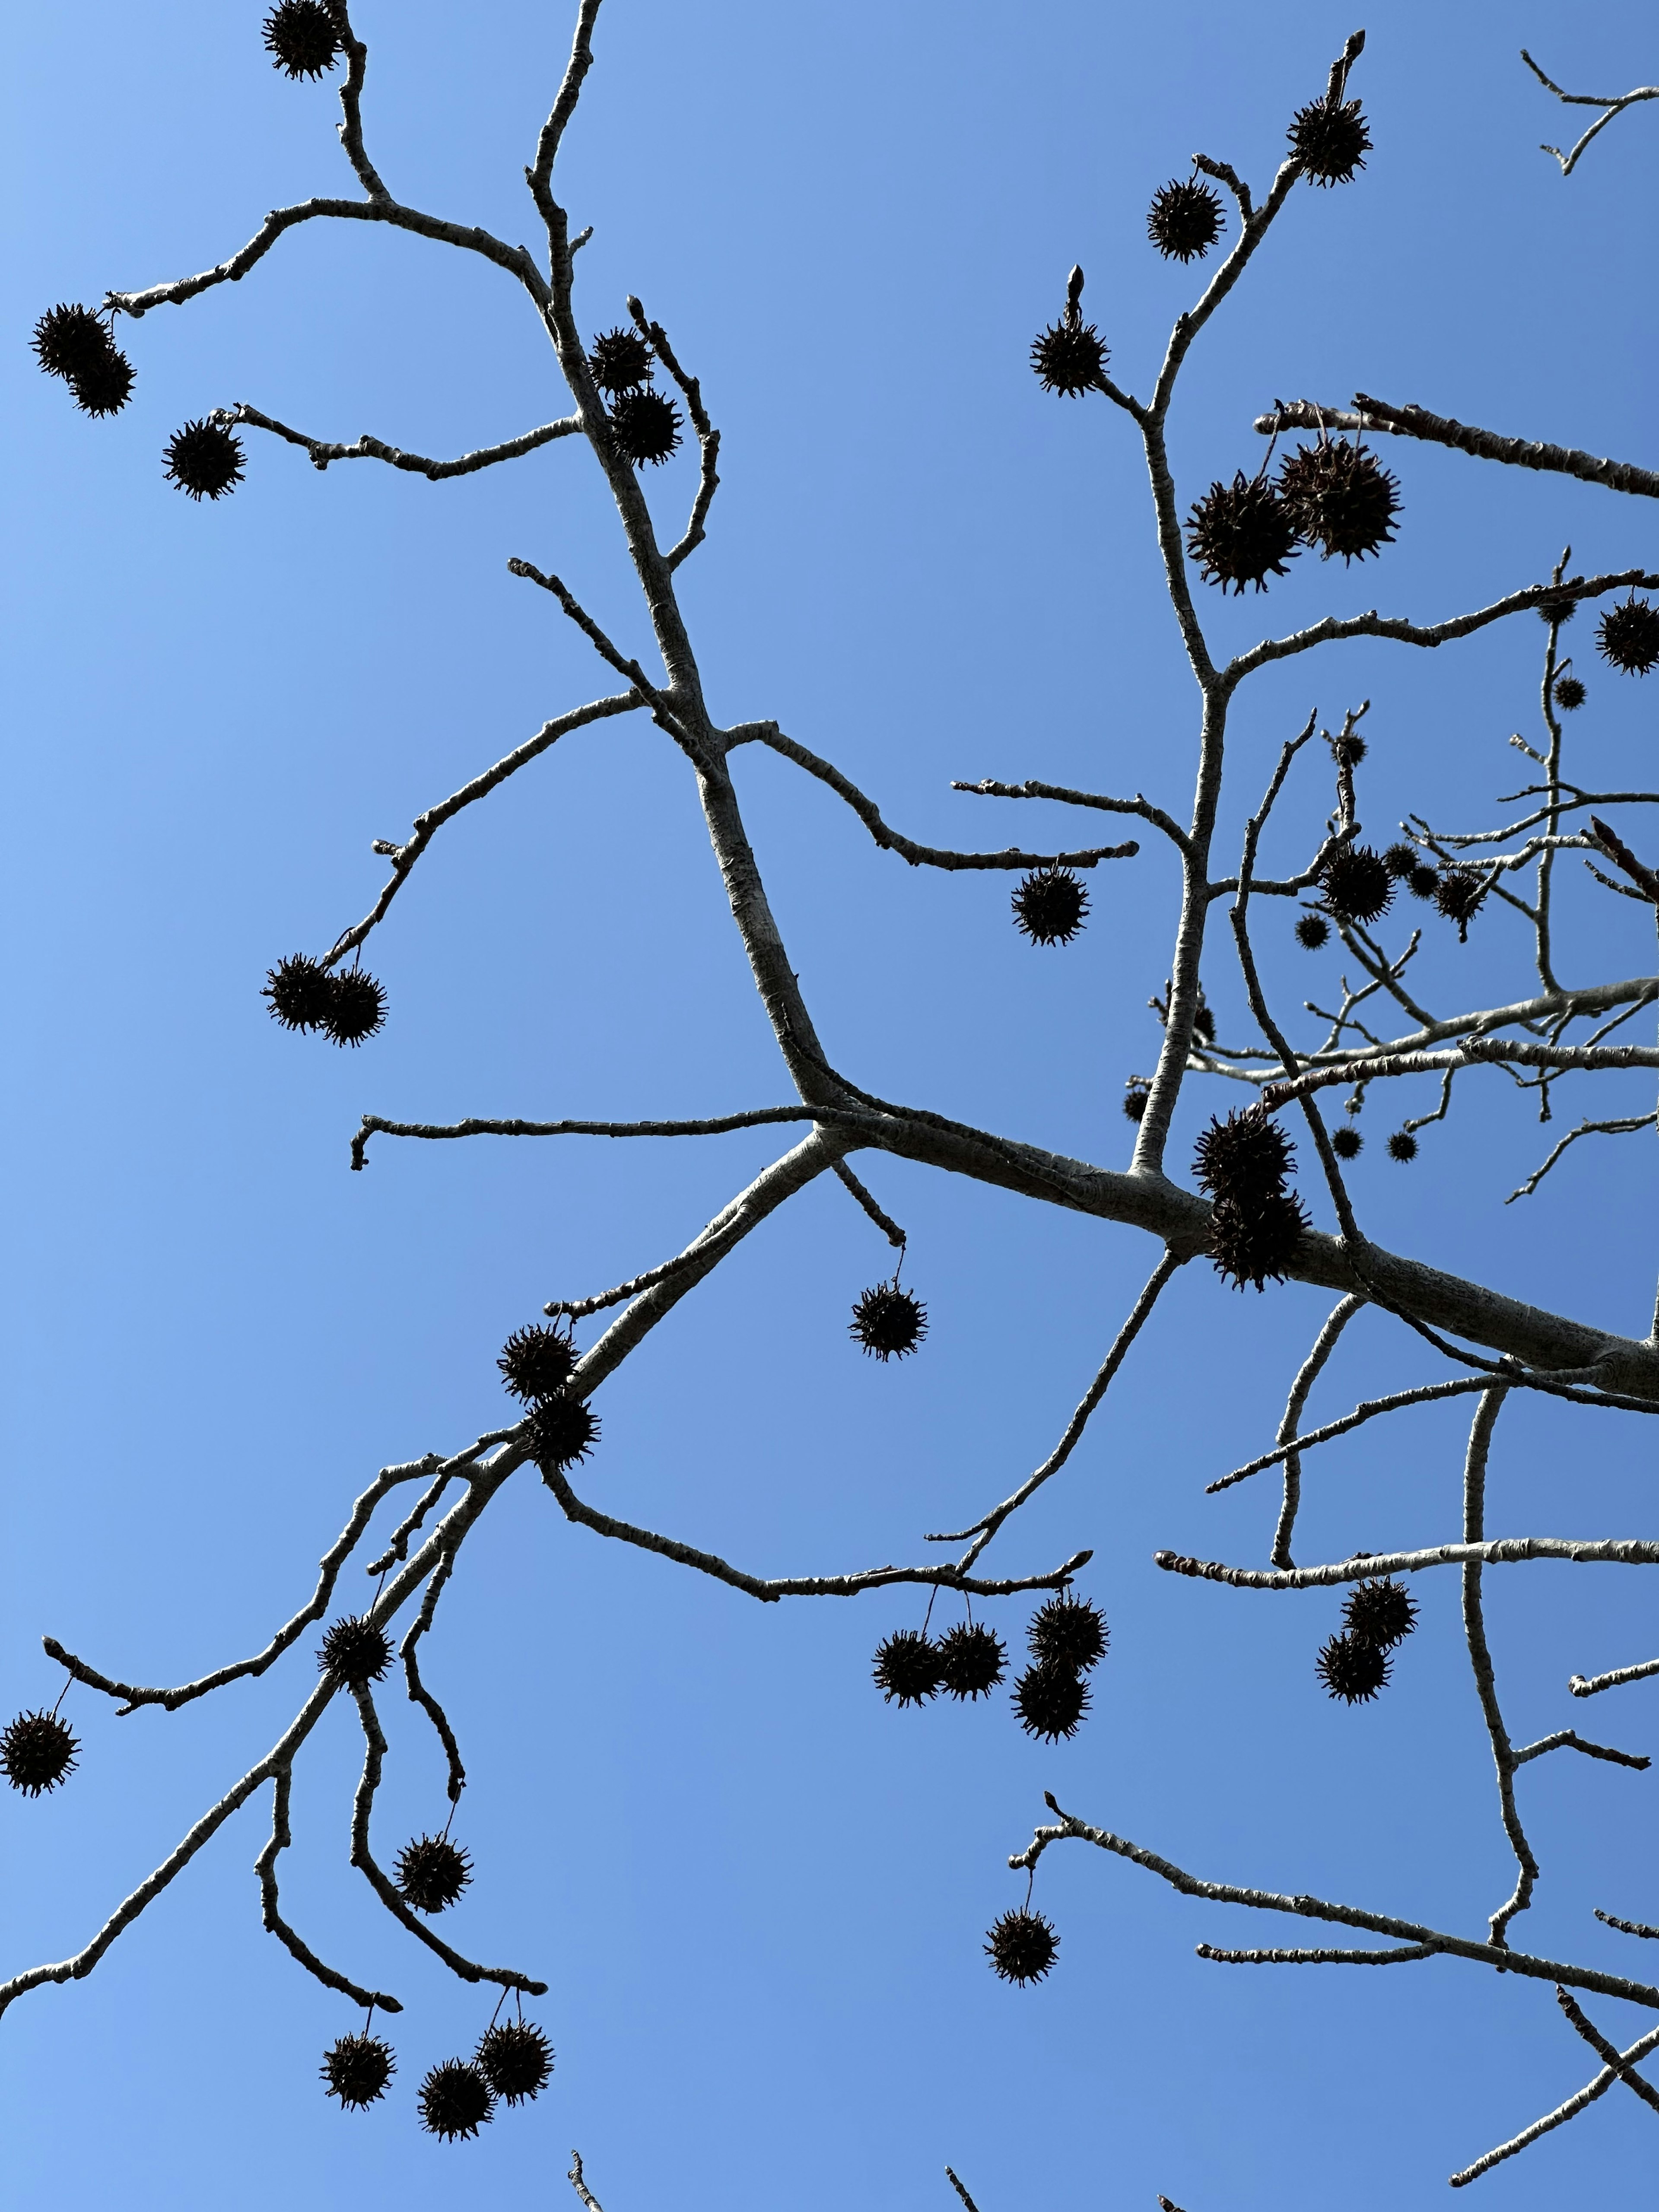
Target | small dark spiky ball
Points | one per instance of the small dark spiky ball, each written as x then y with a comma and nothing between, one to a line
1400,860
105,385
1312,931
1340,498
1346,1142
907,1668
1356,884
303,39
1070,357
354,1652
1204,1023
1569,693
537,1362
1383,1613
562,1430
888,1322
455,2100
1349,750
1256,1240
620,361
356,1006
1628,636
1136,1091
1244,1156
431,1873
1458,895
1352,1669
300,990
1021,1946
1070,1631
1423,881
1556,610
36,1752
1329,137
1402,1145
357,2070
1184,220
1050,1701
646,424
1240,534
1049,905
69,339
204,459
516,2059
971,1660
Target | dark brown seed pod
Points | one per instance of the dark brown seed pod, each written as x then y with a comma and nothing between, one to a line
1240,534
562,1430
1384,1613
1340,498
1346,1142
1356,884
1558,611
204,459
1068,1631
355,1651
1049,905
1313,931
1136,1091
1070,357
1402,1146
537,1362
1628,636
431,1873
645,425
103,386
1569,693
620,361
356,1006
303,39
357,2070
1400,861
1256,1240
1204,1023
1458,895
1051,1700
1329,137
1021,1946
1349,750
1246,1156
516,2059
1353,1670
37,1751
1423,881
888,1322
1184,220
70,339
907,1667
300,990
971,1660
455,2100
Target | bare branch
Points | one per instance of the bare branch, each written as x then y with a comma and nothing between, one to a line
889,1228
1591,1686
988,788
1424,1394
367,448
1324,1345
1608,2053
1569,2111
576,2181
265,1867
1500,1552
1629,1926
1614,105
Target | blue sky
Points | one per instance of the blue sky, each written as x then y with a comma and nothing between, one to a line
758,1894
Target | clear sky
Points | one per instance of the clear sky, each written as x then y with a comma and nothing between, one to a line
758,1893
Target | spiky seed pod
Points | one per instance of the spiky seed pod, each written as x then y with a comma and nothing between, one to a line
971,1660
1569,693
1312,931
1423,881
516,2059
1070,357
1244,1156
204,459
1400,860
1256,1241
105,385
1353,1670
303,39
1049,905
1339,498
1069,1632
1184,220
620,361
1384,1613
1628,636
562,1430
455,2100
1136,1091
1556,610
1051,1700
431,1873
356,1006
357,2070
300,990
888,1322
70,339
1204,1023
36,1752
646,424
1329,137
537,1362
1240,534
1346,1142
907,1668
1356,884
1021,1946
1458,895
1349,750
1402,1146
355,1651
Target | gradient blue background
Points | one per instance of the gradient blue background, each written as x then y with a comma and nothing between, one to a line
758,1893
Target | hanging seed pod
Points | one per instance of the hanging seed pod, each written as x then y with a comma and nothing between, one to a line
1339,498
1628,636
1346,1142
889,1323
356,1006
37,1751
1049,905
431,1873
303,39
971,1660
1184,220
355,1651
645,425
1313,931
1240,534
103,386
907,1668
1051,1700
1569,693
1136,1091
1402,1146
204,459
562,1431
1070,357
1356,884
620,360
1246,1156
357,2070
1458,895
1400,861
1068,1631
1256,1240
300,990
516,2059
455,2100
537,1362
1353,1670
1021,1946
70,339
1383,1613
1423,881
1329,137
